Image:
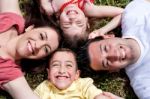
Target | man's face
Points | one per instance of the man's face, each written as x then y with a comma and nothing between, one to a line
111,54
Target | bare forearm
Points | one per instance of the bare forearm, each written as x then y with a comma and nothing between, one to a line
19,89
115,22
10,6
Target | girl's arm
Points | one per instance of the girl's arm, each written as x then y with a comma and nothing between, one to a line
107,28
92,10
100,11
10,6
19,89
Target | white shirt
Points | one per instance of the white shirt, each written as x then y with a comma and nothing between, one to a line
136,25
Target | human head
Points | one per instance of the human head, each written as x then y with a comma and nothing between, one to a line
63,68
112,53
37,43
73,23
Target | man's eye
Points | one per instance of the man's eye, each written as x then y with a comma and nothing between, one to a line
105,64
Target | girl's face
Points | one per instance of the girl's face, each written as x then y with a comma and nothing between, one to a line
37,43
73,21
63,69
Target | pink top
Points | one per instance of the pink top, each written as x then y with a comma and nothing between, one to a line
79,2
8,19
9,70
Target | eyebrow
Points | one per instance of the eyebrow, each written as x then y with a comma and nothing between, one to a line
55,61
103,64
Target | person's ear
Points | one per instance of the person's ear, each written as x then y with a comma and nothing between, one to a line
77,74
108,36
29,28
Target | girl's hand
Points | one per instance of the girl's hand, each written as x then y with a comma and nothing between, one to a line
96,33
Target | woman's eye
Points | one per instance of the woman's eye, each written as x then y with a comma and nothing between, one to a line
46,49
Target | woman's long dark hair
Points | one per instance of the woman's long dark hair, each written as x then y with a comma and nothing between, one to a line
33,16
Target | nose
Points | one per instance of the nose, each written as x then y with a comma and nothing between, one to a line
72,17
62,70
112,56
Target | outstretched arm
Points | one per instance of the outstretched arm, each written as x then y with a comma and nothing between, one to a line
19,89
92,10
115,22
10,6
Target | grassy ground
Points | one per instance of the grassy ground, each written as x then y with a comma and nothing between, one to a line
116,83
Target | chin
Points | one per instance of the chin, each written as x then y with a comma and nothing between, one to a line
62,87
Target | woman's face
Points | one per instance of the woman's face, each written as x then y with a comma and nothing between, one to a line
37,43
73,21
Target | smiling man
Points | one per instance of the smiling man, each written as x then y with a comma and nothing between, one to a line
131,51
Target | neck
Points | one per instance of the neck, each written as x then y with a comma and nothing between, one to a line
11,48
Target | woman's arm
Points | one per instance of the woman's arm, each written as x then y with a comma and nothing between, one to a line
10,6
19,89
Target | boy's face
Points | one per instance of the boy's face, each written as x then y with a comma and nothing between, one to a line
63,70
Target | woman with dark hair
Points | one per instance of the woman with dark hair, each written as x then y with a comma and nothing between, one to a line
34,43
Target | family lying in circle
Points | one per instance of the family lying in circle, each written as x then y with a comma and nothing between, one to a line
31,38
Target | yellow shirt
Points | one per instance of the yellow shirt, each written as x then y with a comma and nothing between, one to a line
82,88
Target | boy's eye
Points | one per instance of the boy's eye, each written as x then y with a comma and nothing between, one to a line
54,65
69,65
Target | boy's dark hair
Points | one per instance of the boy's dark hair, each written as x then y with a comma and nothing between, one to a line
62,50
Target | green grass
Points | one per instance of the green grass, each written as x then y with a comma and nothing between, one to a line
116,83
